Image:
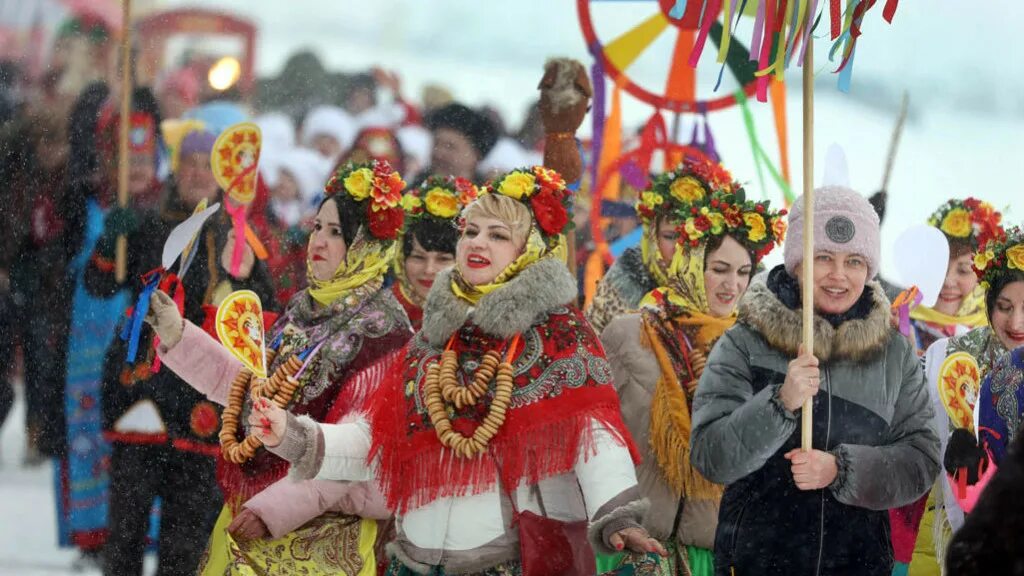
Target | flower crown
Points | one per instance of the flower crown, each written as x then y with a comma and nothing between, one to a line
999,255
692,181
543,191
377,187
753,224
970,219
438,199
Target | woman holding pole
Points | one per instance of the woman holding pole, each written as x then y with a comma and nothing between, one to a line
872,413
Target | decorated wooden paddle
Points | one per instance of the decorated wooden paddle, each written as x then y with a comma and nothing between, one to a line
235,163
923,276
240,328
959,386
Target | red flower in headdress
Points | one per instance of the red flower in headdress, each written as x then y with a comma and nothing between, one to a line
549,212
387,185
384,223
468,191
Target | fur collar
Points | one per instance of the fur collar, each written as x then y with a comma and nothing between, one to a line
629,277
781,326
509,310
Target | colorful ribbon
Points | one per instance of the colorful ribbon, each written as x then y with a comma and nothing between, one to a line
133,327
237,213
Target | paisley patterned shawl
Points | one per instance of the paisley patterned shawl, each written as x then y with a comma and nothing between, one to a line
562,384
352,333
1000,403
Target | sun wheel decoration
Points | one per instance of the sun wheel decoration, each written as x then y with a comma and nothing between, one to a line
240,329
959,381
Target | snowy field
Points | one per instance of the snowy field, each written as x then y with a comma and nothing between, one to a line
28,521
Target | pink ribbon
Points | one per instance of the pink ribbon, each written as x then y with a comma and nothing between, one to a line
237,213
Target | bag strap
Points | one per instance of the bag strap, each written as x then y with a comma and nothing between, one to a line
511,497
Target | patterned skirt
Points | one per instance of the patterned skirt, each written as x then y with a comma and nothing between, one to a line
332,544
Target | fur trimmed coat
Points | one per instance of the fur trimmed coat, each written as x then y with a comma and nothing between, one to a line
873,414
468,528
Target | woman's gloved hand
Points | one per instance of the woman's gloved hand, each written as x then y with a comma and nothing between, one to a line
164,317
964,452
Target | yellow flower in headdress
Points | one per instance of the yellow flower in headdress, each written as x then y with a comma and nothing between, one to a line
779,229
411,202
442,203
690,227
517,184
758,231
957,223
651,199
687,189
1015,257
717,222
359,183
981,259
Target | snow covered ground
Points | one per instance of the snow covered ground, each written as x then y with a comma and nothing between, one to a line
28,514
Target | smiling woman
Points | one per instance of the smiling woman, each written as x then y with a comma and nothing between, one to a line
432,212
503,399
1002,279
707,250
874,410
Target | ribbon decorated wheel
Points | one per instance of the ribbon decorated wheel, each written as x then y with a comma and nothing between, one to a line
630,40
959,384
240,329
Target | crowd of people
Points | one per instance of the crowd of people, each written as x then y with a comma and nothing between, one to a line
438,400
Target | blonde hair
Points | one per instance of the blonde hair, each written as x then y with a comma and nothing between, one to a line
509,211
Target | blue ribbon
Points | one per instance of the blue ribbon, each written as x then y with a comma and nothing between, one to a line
678,10
133,328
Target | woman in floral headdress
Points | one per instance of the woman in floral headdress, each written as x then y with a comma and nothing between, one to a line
957,366
428,240
658,354
639,270
967,224
330,348
502,405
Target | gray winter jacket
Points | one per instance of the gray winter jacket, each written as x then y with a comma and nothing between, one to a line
872,413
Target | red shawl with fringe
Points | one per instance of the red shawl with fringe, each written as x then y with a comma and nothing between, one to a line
562,385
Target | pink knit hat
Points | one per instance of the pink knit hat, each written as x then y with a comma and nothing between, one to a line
844,221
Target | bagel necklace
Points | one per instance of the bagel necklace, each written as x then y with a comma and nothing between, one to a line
441,388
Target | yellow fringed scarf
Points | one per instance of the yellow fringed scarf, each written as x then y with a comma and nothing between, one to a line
535,249
366,261
971,313
680,287
671,428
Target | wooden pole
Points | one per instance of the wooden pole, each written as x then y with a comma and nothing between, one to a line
894,143
807,418
121,254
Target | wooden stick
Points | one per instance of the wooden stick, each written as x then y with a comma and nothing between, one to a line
807,419
894,144
121,254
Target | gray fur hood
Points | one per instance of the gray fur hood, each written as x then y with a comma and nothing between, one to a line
538,289
782,327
